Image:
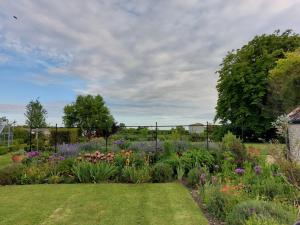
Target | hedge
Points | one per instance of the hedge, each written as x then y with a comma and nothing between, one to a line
64,135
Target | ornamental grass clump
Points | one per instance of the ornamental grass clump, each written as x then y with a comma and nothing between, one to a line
87,172
136,175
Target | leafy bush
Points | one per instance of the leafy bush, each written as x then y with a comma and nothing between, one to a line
192,158
269,210
65,166
162,172
86,172
233,144
255,220
271,188
64,135
11,174
193,177
173,160
12,148
4,150
219,203
136,175
35,174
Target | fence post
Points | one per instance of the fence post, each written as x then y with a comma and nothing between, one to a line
207,146
156,136
55,137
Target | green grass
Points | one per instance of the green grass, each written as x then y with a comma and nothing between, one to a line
107,204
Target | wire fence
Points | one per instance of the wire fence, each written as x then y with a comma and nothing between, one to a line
200,133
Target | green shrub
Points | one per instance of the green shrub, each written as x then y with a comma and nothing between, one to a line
119,161
269,210
173,160
193,176
136,175
167,149
22,134
137,160
4,150
201,157
64,135
233,144
12,148
86,172
35,174
255,220
162,172
271,188
64,167
11,174
218,203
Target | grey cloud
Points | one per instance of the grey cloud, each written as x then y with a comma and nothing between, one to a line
153,58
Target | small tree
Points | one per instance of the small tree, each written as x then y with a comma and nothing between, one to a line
35,114
90,114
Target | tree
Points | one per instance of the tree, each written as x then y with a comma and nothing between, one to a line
90,114
243,83
284,82
35,114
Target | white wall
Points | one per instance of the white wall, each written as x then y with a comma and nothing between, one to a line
294,141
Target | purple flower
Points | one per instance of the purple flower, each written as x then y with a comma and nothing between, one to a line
119,142
240,171
257,169
33,154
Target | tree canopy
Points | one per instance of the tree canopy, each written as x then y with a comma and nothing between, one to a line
243,82
285,83
35,114
90,114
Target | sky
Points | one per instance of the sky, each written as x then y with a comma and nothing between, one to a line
150,60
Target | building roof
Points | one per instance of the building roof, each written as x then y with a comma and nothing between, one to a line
197,124
294,116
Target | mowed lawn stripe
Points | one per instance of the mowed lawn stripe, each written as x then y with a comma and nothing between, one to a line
104,204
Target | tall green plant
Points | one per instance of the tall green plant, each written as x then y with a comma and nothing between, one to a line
86,172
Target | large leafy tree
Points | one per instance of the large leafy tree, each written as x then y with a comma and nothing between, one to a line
90,114
35,114
285,83
243,83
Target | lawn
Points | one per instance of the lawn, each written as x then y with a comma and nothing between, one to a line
107,204
264,147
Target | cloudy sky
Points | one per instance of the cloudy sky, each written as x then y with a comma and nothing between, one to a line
150,60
